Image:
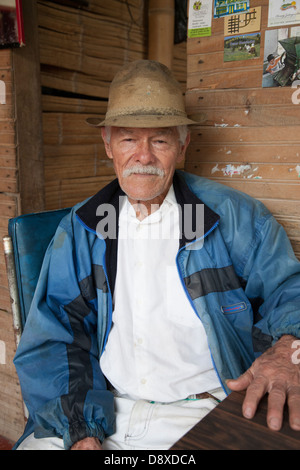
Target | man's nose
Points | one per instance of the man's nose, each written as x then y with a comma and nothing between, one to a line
144,153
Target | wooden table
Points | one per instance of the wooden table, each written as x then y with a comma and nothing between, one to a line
225,428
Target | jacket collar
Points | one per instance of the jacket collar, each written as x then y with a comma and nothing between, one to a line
197,219
88,213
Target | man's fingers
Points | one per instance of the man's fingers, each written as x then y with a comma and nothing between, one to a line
241,383
256,390
276,402
277,373
294,407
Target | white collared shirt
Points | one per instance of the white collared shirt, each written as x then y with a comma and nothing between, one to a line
157,348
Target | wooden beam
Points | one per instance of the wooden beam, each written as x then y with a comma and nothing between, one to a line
161,31
29,133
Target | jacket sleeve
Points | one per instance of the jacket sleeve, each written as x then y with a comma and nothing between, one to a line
272,274
58,359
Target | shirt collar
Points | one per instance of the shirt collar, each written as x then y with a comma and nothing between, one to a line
128,213
87,215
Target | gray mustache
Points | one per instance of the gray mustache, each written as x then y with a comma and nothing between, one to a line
144,170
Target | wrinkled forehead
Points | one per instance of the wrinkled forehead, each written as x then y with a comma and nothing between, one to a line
160,131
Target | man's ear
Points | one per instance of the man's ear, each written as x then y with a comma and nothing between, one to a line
106,143
184,148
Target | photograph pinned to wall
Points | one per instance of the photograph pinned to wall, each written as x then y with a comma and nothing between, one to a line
243,23
200,16
11,24
230,7
242,47
283,12
281,57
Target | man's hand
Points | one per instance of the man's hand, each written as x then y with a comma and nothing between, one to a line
89,443
275,372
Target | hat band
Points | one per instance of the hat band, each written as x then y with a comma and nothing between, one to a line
145,112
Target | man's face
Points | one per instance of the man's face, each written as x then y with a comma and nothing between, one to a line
145,160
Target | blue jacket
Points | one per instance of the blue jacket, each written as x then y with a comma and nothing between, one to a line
241,276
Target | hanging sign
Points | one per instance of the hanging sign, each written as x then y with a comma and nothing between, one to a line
242,47
243,23
281,66
200,16
230,7
282,13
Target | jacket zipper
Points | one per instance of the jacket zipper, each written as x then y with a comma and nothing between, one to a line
189,298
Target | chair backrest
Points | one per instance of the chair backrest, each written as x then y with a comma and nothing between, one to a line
31,235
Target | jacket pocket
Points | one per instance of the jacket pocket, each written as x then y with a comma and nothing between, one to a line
234,308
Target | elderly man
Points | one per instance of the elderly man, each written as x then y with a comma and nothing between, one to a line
156,292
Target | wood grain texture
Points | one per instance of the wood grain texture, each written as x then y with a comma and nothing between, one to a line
249,138
80,52
11,404
226,429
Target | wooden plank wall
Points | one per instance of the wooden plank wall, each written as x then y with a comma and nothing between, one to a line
80,52
11,408
250,136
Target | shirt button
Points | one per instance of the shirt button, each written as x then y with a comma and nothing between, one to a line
140,341
143,381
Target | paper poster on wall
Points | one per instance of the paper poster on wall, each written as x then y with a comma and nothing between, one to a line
283,12
200,16
242,47
230,7
243,23
281,57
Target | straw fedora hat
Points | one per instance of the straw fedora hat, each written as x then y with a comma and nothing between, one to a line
144,94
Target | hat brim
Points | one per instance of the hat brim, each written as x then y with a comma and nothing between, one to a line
143,121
